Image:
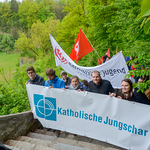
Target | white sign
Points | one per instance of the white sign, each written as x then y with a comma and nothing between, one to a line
113,70
119,122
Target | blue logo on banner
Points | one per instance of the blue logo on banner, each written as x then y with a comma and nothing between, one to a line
45,107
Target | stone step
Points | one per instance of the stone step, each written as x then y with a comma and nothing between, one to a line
41,136
61,146
53,139
13,148
35,141
51,132
91,144
43,140
47,143
26,145
21,145
64,135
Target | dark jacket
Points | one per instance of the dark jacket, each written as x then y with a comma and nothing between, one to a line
68,81
104,87
38,80
140,97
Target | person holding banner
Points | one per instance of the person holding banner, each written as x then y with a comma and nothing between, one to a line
98,85
127,90
53,81
34,78
76,84
129,94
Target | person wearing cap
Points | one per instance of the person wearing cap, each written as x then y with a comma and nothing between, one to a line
98,85
66,79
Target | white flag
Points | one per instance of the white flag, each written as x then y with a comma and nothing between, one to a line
113,70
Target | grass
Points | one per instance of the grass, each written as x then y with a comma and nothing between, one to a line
8,62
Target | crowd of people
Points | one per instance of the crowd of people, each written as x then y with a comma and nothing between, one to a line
96,85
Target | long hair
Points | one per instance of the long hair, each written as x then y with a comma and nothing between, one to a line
128,96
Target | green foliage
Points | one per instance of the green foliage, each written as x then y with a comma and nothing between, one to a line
145,12
14,6
5,13
145,8
37,43
75,19
24,46
44,13
13,95
50,3
28,12
59,14
6,43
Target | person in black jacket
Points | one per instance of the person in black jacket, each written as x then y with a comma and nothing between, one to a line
98,85
34,78
132,95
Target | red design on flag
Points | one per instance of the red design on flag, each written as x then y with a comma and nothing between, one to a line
108,53
81,48
60,56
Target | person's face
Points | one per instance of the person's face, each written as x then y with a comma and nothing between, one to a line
140,80
96,78
64,76
74,82
50,77
31,74
107,59
125,87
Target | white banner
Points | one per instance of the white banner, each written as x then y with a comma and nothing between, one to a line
113,70
119,122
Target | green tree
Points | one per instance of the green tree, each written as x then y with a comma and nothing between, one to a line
28,12
59,10
75,19
5,13
44,13
14,6
50,3
38,1
37,43
6,43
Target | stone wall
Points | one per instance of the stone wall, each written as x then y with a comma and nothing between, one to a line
14,125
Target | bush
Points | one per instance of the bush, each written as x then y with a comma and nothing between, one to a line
6,43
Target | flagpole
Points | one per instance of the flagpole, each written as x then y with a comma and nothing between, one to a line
91,45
